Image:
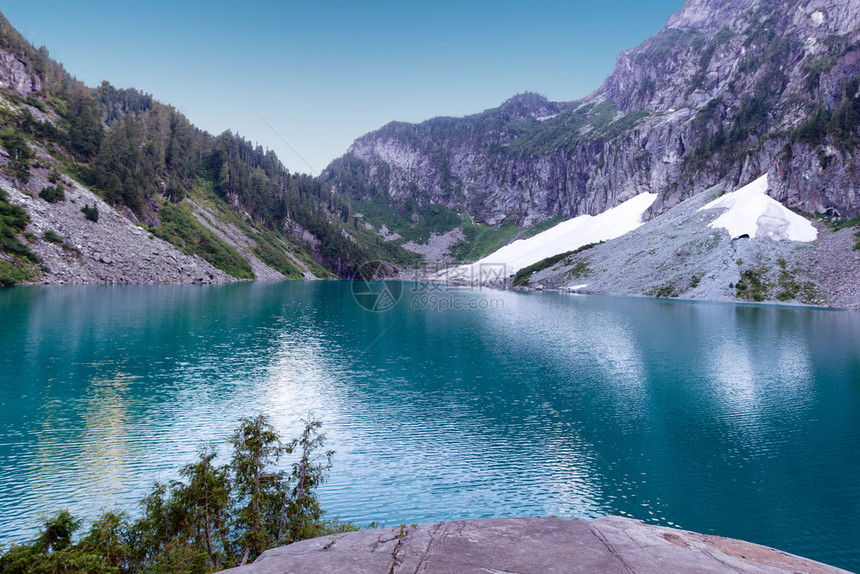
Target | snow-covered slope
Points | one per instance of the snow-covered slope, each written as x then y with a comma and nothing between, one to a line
750,211
565,236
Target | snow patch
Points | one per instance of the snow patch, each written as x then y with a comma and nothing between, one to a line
817,17
565,236
750,211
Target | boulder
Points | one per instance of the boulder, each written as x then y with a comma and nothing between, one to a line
522,545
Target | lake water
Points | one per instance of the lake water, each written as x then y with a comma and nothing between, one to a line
741,421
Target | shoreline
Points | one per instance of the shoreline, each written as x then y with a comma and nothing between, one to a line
452,288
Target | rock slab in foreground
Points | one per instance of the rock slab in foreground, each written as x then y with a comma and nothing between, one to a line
528,545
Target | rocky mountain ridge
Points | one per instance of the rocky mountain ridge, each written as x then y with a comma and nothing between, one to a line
727,90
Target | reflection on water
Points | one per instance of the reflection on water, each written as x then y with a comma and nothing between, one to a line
738,420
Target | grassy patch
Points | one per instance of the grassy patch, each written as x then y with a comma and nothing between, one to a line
541,227
834,223
623,124
182,230
579,270
399,218
664,291
53,237
793,290
270,244
524,275
481,240
564,131
10,274
274,257
603,114
753,285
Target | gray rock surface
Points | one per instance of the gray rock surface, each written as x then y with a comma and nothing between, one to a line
676,254
14,75
528,545
111,251
438,246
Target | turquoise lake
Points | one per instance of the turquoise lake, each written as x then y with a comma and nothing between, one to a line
736,420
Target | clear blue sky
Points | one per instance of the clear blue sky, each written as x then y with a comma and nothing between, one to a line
323,73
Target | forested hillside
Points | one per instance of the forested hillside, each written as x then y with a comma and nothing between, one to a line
144,158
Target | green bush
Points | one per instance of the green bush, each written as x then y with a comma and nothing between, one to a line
53,237
214,517
695,280
753,286
37,103
13,220
91,212
20,153
275,257
665,291
523,276
581,268
53,194
10,274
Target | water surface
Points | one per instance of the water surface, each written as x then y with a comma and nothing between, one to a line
741,421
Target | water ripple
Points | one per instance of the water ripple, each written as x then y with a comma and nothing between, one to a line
739,421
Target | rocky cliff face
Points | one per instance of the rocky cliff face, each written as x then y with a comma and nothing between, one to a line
15,76
726,91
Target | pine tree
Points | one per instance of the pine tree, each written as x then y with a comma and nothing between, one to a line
308,473
206,500
256,446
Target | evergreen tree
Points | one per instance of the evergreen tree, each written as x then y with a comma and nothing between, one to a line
206,500
85,124
308,474
256,447
20,154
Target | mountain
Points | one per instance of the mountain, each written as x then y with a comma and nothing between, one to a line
109,185
723,244
165,202
727,91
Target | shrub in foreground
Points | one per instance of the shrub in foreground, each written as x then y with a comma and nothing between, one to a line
214,517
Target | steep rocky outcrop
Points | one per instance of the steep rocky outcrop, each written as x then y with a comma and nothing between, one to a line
508,545
726,91
15,76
